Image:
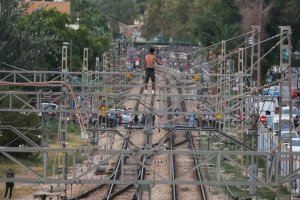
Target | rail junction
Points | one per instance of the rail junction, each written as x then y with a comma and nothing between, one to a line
198,136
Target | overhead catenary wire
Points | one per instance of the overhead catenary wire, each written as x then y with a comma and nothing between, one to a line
236,51
275,36
213,45
20,69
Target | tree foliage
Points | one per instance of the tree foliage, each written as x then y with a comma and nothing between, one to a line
216,21
286,13
193,20
254,12
34,41
11,38
120,10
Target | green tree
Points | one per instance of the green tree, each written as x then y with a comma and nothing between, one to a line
286,13
34,41
13,43
119,10
46,31
154,19
216,20
179,20
193,20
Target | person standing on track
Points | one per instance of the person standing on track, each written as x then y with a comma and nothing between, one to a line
9,185
150,60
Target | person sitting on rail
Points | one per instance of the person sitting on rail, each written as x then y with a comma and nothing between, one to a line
150,60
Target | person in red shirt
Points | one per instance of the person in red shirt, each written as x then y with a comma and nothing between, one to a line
150,60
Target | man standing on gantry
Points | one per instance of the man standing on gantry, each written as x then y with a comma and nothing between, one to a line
150,61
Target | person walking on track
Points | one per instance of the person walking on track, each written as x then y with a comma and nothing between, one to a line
150,61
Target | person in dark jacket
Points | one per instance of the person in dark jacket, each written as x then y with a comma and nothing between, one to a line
9,185
136,119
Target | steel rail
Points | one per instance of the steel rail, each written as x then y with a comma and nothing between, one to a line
202,188
111,194
172,157
114,175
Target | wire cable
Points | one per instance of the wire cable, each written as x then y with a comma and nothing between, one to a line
3,63
213,45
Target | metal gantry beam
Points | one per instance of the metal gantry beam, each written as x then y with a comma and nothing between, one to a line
214,180
112,89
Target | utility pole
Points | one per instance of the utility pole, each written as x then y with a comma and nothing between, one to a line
256,76
285,63
85,85
255,56
85,64
97,67
64,58
222,80
62,127
241,60
241,66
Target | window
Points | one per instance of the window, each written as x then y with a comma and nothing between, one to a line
295,142
284,126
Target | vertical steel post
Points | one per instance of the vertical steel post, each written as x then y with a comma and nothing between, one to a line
63,115
97,67
241,91
85,63
285,63
222,81
241,66
255,56
85,90
74,165
44,137
219,167
64,58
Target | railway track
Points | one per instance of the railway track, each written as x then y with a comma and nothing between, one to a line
180,161
202,188
183,141
172,157
114,193
111,188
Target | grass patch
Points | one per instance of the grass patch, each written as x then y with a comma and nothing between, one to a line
52,127
73,133
55,162
73,129
266,193
262,193
19,191
228,168
7,164
283,190
237,192
74,136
